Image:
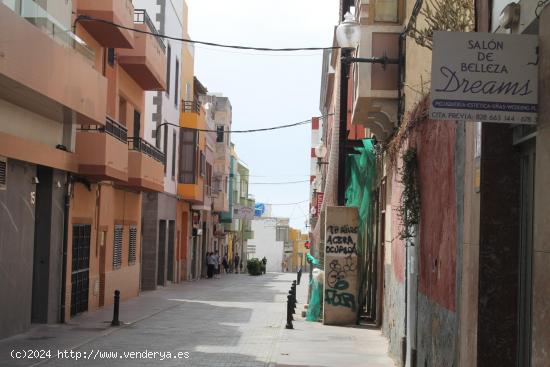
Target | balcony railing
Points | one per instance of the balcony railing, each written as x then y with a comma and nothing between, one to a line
111,127
44,21
191,106
140,145
141,17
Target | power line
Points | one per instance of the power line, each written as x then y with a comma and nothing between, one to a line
239,131
272,204
276,183
87,18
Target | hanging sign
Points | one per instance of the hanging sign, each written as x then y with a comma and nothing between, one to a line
484,77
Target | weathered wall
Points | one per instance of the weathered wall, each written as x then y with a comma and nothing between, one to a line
393,323
541,250
16,248
437,143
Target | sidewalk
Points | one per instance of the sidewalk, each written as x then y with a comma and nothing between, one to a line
314,344
235,321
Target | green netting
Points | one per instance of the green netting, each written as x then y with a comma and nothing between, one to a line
314,306
360,173
361,169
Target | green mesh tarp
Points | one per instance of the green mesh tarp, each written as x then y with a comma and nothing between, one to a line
360,171
314,307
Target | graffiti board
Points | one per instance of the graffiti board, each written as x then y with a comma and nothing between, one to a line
340,292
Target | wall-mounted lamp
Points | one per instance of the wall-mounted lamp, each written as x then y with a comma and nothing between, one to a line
35,180
509,16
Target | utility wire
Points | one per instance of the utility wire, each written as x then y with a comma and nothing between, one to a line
272,204
276,183
304,122
87,18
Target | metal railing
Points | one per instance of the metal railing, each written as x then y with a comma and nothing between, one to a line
140,145
191,106
141,17
111,127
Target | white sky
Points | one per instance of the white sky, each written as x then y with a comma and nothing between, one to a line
267,89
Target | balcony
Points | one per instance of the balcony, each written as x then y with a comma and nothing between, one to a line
46,69
192,115
116,11
375,99
145,165
146,62
102,151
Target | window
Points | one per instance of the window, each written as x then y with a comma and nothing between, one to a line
244,188
168,60
219,134
187,91
117,247
386,11
177,83
202,164
187,156
281,234
3,173
209,178
132,245
173,155
111,56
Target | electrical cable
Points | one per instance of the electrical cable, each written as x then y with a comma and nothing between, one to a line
88,18
281,204
304,122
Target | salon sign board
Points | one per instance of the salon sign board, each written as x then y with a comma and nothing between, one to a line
484,77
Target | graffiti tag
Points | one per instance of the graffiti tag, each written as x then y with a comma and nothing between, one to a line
336,297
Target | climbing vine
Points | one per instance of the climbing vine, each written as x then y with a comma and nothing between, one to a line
409,207
442,15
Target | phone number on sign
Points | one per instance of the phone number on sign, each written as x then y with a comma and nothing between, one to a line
95,354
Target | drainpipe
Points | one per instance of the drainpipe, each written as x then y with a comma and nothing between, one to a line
65,245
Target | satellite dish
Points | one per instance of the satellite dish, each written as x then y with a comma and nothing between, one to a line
321,151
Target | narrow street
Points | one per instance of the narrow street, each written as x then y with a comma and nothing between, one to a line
238,320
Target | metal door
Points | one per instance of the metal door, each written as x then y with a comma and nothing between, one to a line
80,268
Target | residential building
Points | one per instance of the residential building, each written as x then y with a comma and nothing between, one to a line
460,257
80,151
270,236
162,109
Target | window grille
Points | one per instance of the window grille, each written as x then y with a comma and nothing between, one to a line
132,246
117,247
3,173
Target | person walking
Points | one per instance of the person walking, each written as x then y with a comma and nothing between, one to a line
225,264
216,261
264,261
209,265
236,262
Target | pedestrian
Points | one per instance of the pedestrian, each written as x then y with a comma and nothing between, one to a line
236,262
216,261
209,265
264,261
225,264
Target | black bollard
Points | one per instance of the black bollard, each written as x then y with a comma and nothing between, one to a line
292,302
115,321
299,276
288,314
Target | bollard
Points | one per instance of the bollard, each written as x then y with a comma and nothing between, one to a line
292,302
115,321
299,276
288,314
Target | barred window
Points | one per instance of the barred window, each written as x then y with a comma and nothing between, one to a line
132,245
117,247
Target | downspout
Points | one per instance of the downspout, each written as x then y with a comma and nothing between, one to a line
65,246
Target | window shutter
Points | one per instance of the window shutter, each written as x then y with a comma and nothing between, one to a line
188,156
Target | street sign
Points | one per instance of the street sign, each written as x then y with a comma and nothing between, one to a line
484,77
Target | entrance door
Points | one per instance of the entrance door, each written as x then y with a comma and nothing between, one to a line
161,264
170,266
80,268
527,177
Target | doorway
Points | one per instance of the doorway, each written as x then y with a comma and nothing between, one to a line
80,268
161,262
170,262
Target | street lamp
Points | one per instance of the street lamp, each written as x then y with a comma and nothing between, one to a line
348,35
